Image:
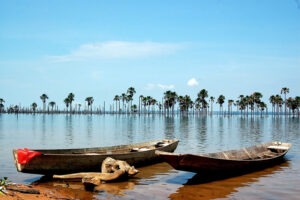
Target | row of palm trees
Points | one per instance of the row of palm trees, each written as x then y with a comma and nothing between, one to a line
52,108
245,104
126,99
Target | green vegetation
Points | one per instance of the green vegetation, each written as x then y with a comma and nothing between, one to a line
3,183
171,103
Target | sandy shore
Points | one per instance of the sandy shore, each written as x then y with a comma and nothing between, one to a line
44,192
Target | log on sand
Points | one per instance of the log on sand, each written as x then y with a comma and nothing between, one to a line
111,169
22,188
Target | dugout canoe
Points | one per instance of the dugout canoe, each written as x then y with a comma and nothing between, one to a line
63,161
233,161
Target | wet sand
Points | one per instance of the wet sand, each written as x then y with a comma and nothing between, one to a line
46,192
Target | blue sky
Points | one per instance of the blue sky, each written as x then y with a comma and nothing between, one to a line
101,48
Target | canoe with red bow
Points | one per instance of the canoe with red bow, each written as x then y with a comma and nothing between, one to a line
63,161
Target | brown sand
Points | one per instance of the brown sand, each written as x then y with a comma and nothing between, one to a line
46,192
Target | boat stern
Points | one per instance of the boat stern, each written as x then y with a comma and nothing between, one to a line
280,147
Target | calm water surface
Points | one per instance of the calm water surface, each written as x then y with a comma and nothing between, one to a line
197,134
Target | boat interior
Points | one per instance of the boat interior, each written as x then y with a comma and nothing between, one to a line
263,151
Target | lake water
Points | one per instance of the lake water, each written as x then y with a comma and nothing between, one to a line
197,134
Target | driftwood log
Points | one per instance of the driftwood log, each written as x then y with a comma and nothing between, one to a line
22,188
111,169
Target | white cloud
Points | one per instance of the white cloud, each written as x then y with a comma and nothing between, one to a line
166,87
152,86
192,82
95,75
118,49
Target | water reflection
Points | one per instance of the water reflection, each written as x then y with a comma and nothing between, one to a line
256,129
148,175
197,134
69,129
43,130
131,128
184,128
213,187
252,130
284,128
34,124
202,131
169,126
160,181
89,127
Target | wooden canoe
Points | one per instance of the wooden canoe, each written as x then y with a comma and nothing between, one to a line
232,161
63,161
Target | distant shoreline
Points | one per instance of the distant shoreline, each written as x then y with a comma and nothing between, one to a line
153,113
171,104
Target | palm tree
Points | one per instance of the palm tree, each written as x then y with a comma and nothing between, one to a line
79,106
237,104
89,101
67,102
34,106
130,93
251,103
297,99
140,103
147,101
201,99
241,105
159,105
43,98
117,99
278,102
272,100
230,102
170,100
134,108
1,105
52,104
257,98
212,100
262,107
71,99
124,99
144,102
181,103
248,102
197,106
129,100
185,103
152,103
292,104
16,109
221,100
285,90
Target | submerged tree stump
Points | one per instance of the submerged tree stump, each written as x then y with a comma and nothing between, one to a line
111,169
